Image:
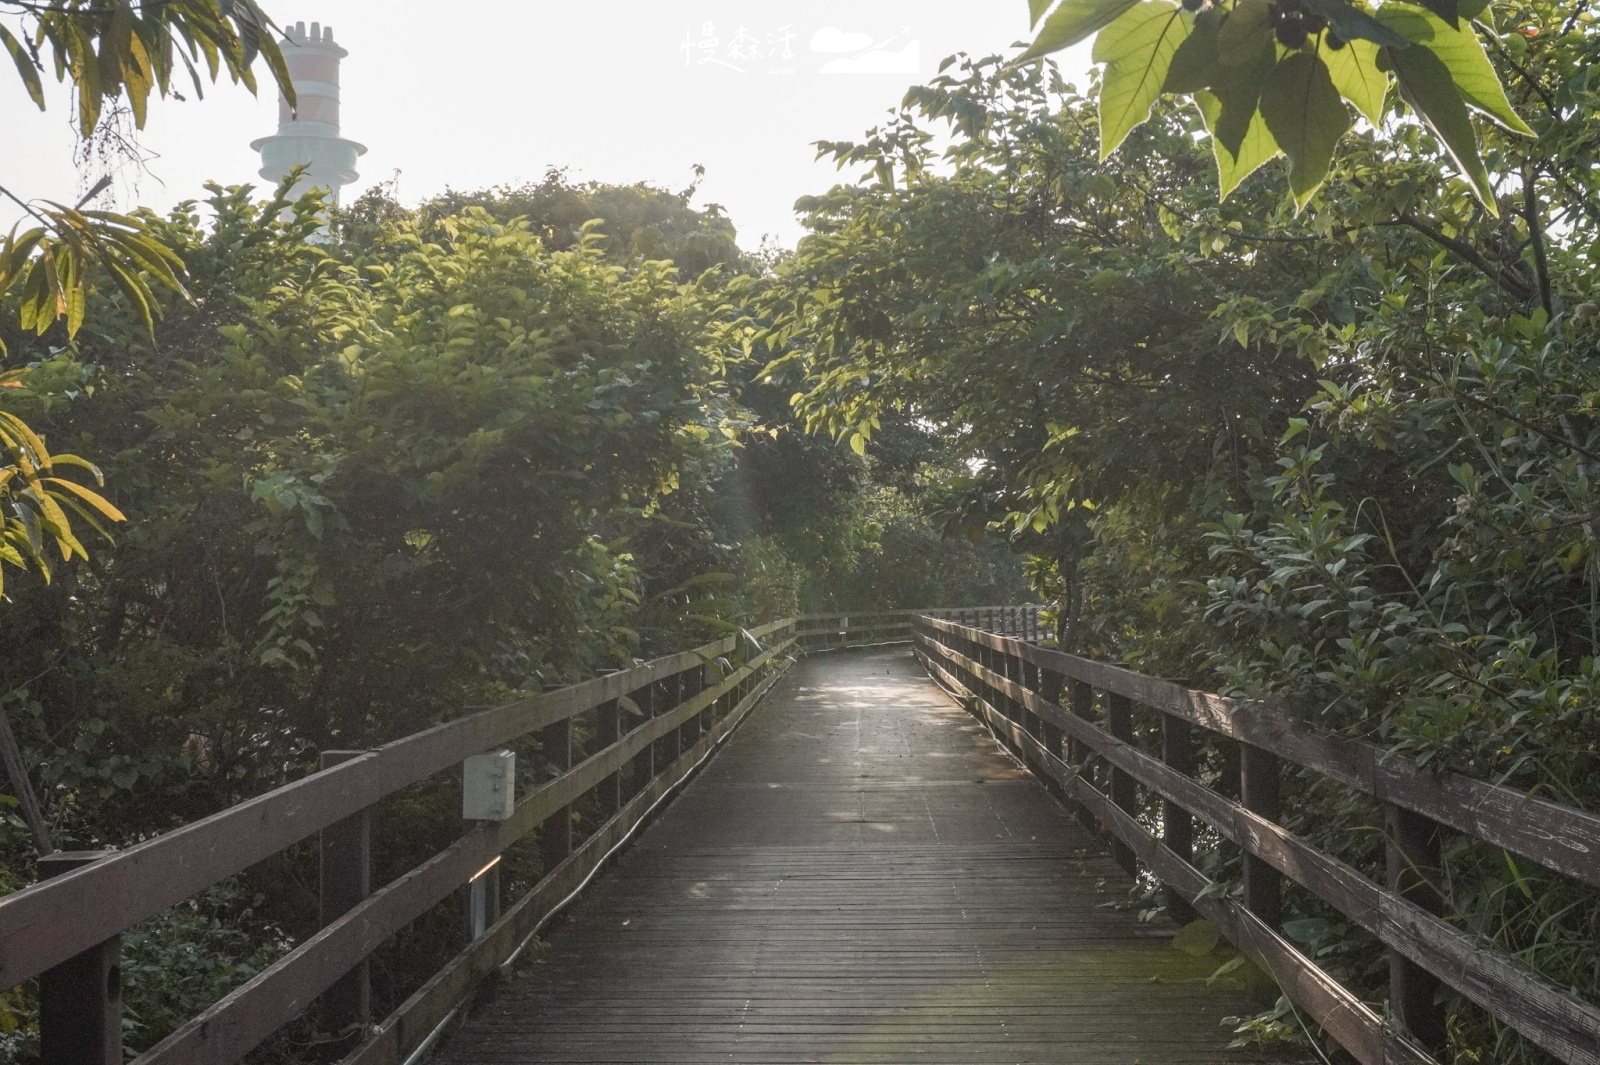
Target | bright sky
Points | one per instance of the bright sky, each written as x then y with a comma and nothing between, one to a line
486,92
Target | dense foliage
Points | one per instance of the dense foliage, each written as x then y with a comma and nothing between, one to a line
376,478
1342,459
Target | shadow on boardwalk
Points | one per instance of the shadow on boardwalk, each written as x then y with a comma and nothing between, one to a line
861,875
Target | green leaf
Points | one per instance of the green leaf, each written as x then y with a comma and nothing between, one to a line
1256,146
1448,10
1197,938
1194,65
25,67
1036,10
1462,54
1071,22
1354,24
1355,73
1238,88
1307,117
1137,50
1426,85
1246,29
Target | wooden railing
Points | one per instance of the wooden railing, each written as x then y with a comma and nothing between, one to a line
1080,726
652,725
827,632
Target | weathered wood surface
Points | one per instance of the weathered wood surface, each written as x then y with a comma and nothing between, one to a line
862,875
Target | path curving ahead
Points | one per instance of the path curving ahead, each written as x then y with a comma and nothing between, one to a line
862,875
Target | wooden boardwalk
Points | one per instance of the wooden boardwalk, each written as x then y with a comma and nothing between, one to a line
862,875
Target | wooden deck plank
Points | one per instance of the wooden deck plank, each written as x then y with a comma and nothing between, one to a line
862,875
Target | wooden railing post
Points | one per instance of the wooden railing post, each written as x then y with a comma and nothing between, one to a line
555,835
1049,688
1177,824
677,688
1412,860
1119,722
1078,752
694,682
644,763
608,730
344,881
481,900
80,1000
1028,677
1261,792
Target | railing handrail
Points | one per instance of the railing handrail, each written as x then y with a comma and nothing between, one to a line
1562,837
844,629
52,921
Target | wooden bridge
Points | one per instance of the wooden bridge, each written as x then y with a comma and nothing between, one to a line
902,854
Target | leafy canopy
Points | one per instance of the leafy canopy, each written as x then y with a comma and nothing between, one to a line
109,51
1272,77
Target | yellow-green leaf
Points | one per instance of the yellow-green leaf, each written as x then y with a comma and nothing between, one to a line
1073,21
1237,87
1462,55
1137,49
1355,73
1256,146
1247,27
94,499
1426,85
32,444
1194,65
25,67
1306,117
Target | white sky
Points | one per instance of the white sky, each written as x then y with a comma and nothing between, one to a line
485,92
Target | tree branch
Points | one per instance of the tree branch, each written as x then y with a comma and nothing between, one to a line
1530,211
1513,284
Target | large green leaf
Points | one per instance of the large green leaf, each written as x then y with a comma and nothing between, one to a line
1256,145
1074,21
1137,50
1238,88
1247,28
1353,23
1036,10
1462,55
1194,65
1306,116
1426,85
1449,10
1355,73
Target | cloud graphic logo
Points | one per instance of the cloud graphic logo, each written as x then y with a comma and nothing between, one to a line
904,60
832,40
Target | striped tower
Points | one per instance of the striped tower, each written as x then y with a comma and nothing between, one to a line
310,136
